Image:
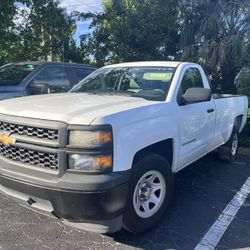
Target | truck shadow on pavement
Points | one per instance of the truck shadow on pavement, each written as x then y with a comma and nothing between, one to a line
202,191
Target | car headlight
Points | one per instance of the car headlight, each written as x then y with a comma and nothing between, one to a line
90,163
81,138
90,148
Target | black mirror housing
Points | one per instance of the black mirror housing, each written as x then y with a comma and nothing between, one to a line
193,95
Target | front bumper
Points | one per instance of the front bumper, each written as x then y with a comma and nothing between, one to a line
103,207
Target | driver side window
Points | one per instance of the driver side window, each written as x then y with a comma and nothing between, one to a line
191,79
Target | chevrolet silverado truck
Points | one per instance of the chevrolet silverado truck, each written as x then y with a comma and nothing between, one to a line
104,155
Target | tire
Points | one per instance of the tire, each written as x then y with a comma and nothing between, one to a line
150,192
228,152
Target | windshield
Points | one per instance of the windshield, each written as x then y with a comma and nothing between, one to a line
13,74
151,83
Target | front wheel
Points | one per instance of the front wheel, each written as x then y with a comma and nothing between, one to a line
150,192
228,152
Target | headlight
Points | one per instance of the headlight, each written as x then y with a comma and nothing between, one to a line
81,138
90,148
89,162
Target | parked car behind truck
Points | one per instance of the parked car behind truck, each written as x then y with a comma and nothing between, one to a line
32,78
104,155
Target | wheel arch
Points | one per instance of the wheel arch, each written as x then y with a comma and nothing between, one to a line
163,148
238,122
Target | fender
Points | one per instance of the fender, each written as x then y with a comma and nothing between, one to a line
139,128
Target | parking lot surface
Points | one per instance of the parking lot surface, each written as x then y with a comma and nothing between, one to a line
202,191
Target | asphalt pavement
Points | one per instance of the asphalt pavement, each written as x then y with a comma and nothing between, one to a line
202,191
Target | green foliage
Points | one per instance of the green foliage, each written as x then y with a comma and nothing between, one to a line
7,11
8,37
46,30
131,30
243,82
75,54
214,33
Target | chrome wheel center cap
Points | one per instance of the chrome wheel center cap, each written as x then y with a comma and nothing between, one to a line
144,192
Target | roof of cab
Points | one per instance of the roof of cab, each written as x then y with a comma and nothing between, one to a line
146,63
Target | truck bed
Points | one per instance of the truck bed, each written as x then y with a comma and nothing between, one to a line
220,96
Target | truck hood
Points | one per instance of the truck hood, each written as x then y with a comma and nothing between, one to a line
72,108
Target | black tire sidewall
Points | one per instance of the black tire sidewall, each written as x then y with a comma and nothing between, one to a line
131,221
233,157
225,152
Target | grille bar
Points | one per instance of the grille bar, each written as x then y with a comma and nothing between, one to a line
34,158
41,133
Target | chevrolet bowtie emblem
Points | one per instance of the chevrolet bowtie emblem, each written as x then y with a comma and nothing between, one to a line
6,139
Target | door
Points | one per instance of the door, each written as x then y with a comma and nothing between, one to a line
53,79
197,121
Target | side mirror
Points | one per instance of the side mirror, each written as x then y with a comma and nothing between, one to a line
196,95
39,89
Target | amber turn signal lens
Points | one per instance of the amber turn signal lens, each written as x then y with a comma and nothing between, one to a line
104,161
105,137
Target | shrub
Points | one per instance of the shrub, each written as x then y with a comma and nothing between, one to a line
242,82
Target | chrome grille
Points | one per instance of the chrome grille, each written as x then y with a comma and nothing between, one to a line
30,157
42,133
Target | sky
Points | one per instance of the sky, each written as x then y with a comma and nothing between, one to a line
82,6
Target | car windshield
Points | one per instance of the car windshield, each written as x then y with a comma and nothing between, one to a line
13,74
151,83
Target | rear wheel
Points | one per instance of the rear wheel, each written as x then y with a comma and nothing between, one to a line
150,192
228,152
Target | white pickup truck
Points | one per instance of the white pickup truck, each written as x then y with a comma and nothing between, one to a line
104,155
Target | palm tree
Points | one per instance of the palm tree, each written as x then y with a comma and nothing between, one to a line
214,33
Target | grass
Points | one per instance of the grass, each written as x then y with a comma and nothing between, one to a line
244,151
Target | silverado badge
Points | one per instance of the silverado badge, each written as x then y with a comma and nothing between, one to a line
6,139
